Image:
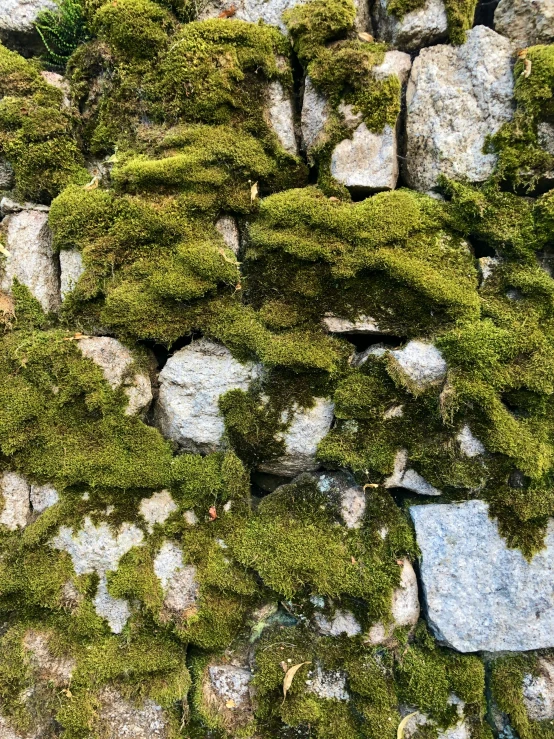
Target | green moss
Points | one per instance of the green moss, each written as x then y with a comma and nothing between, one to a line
135,28
522,162
19,77
507,680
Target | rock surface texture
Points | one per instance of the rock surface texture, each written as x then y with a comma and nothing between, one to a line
479,594
191,384
423,26
525,23
457,96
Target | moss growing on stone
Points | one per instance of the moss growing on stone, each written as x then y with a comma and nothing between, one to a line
460,14
135,28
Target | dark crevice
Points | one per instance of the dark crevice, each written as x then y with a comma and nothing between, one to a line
484,13
482,249
264,483
364,341
162,352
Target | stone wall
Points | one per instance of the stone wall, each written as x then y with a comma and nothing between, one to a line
276,374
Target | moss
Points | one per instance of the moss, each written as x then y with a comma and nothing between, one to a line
522,162
135,28
507,680
35,137
19,77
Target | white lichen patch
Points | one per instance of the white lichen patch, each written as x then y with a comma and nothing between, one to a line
178,580
14,497
343,622
116,611
329,684
157,509
469,445
43,497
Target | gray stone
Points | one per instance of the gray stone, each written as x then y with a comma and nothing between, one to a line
421,27
71,269
19,15
525,22
271,11
7,206
342,622
157,509
98,548
361,325
116,611
456,97
7,732
367,162
120,719
231,684
307,428
43,497
191,384
56,669
178,581
421,363
487,265
351,497
315,114
481,595
469,445
460,730
118,365
395,63
409,479
328,684
538,691
31,259
404,606
227,227
7,177
14,497
281,116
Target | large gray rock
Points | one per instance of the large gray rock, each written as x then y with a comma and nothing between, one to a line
31,259
306,429
456,97
481,595
421,27
18,16
118,365
315,114
525,22
191,384
271,11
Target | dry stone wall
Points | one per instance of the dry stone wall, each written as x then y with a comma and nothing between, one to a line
276,369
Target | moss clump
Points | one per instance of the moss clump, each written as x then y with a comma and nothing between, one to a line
134,28
36,132
522,162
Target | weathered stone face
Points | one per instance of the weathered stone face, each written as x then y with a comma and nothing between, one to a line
449,113
191,384
525,23
479,594
421,27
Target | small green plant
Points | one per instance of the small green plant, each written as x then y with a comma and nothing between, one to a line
62,30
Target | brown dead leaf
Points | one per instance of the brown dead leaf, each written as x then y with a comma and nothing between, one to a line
7,306
228,13
289,677
212,513
93,184
333,199
526,68
254,192
354,560
284,666
402,725
363,36
371,485
230,703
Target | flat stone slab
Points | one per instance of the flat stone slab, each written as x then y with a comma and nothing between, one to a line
480,595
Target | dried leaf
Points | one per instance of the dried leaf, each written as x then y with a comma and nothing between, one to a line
371,485
228,13
4,251
212,513
93,184
253,192
230,703
289,677
526,68
402,725
363,36
284,666
333,199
